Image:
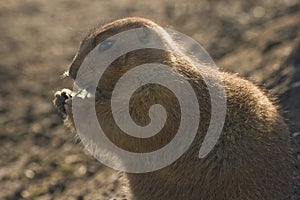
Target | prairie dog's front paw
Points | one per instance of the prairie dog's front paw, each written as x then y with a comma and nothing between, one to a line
63,100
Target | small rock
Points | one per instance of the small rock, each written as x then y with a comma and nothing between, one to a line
81,171
25,194
45,197
72,159
259,12
29,173
296,84
296,134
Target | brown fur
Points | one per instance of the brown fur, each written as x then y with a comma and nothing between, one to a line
252,159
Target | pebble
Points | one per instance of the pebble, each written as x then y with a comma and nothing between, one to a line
296,84
71,159
81,171
259,12
296,134
25,194
29,173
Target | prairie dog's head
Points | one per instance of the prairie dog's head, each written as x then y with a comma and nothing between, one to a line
115,49
106,45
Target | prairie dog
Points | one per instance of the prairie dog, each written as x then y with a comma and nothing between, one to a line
252,158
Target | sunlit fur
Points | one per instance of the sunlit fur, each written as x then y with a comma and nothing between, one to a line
252,159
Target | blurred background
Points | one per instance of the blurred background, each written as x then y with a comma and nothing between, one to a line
41,159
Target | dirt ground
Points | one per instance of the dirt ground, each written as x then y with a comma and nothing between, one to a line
41,159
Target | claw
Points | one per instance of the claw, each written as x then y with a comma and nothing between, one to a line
60,99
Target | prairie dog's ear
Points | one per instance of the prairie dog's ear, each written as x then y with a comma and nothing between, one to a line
151,37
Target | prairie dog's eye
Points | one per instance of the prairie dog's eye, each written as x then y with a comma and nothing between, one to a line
106,44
